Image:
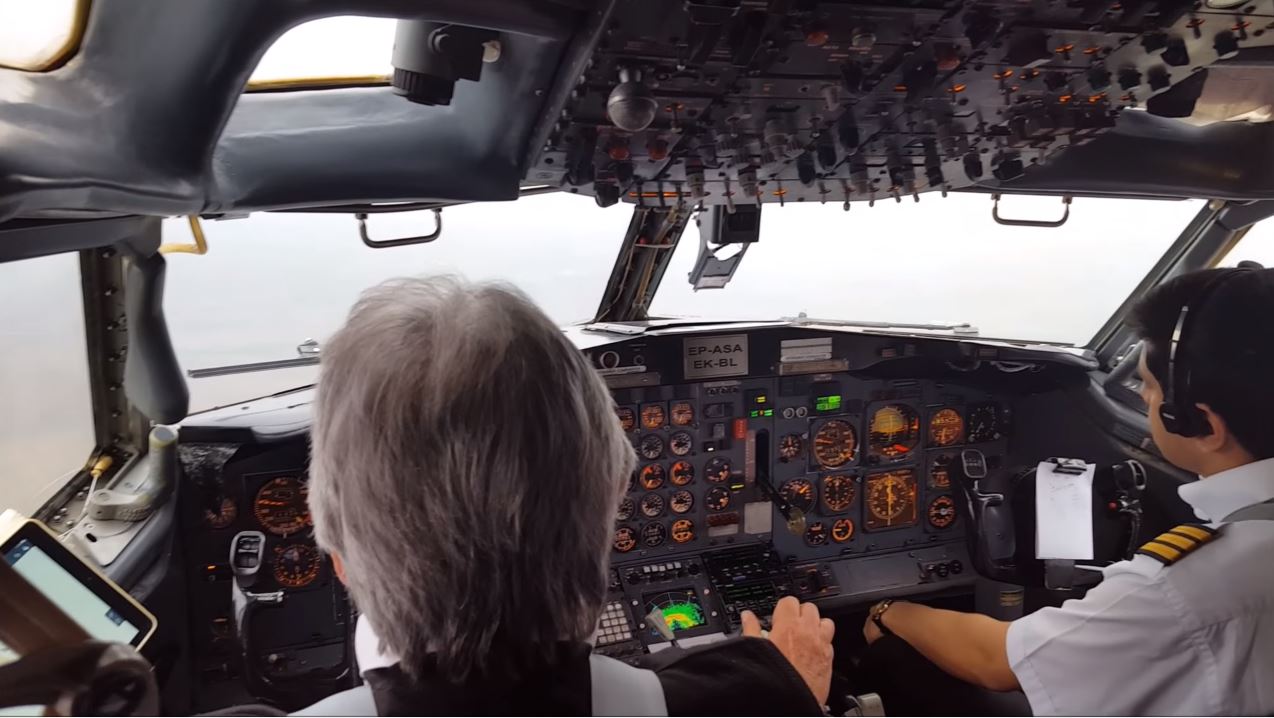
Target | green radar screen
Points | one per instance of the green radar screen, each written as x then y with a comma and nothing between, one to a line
680,609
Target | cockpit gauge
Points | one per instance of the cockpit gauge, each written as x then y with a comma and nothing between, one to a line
683,530
625,539
790,447
627,508
835,444
680,443
838,492
718,470
651,447
627,418
717,499
652,477
280,506
652,416
652,505
296,565
842,530
653,534
946,428
940,471
799,493
891,499
224,515
682,473
984,423
681,502
683,413
816,534
941,512
894,431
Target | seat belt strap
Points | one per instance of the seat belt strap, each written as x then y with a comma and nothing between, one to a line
623,690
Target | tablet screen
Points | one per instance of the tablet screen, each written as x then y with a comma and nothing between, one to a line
98,606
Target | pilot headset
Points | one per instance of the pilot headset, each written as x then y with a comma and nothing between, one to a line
1178,411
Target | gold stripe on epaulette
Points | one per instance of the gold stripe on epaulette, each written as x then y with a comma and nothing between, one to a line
1169,547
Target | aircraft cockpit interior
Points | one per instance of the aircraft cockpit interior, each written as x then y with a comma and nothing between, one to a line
847,456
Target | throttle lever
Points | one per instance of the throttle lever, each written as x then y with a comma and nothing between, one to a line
991,514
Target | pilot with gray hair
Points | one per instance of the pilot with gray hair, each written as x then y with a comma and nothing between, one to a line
467,466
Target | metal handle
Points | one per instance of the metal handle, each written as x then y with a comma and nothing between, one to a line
402,241
995,214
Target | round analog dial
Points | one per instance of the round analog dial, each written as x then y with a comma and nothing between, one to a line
984,423
891,499
816,534
683,472
946,428
717,470
683,413
683,530
651,447
894,431
940,471
627,508
799,493
625,539
835,444
790,447
681,502
652,416
680,443
652,505
842,530
717,499
941,512
838,492
224,515
296,565
281,507
627,418
653,534
652,477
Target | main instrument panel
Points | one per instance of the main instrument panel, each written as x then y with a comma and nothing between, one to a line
766,466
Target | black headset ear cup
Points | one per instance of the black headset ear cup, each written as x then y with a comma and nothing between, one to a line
1189,422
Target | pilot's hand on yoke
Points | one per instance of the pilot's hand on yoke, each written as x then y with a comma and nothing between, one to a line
804,639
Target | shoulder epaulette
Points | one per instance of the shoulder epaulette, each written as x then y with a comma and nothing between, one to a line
1170,547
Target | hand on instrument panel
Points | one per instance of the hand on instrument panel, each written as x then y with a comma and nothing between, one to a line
803,638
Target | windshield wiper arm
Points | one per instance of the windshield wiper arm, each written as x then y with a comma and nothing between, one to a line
965,328
307,355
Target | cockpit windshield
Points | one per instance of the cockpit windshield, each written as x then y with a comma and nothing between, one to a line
942,261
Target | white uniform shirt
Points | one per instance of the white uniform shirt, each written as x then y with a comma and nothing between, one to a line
1192,638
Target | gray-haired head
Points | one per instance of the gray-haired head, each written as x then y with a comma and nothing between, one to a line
466,467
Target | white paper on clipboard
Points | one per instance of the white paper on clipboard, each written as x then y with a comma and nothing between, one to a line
1064,513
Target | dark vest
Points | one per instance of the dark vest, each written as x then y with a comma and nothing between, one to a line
740,676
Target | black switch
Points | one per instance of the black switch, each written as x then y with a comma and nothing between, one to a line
1154,41
805,169
1158,78
973,165
1225,44
1176,53
1129,78
1098,77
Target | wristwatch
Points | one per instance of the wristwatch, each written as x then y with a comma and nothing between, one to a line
878,611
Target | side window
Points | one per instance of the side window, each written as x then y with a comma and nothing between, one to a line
1257,246
46,419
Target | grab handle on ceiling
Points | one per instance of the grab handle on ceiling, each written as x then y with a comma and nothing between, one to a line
1046,223
401,241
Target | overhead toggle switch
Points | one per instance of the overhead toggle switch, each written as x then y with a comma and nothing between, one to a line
1225,44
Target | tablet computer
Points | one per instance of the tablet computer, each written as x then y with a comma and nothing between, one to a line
104,610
